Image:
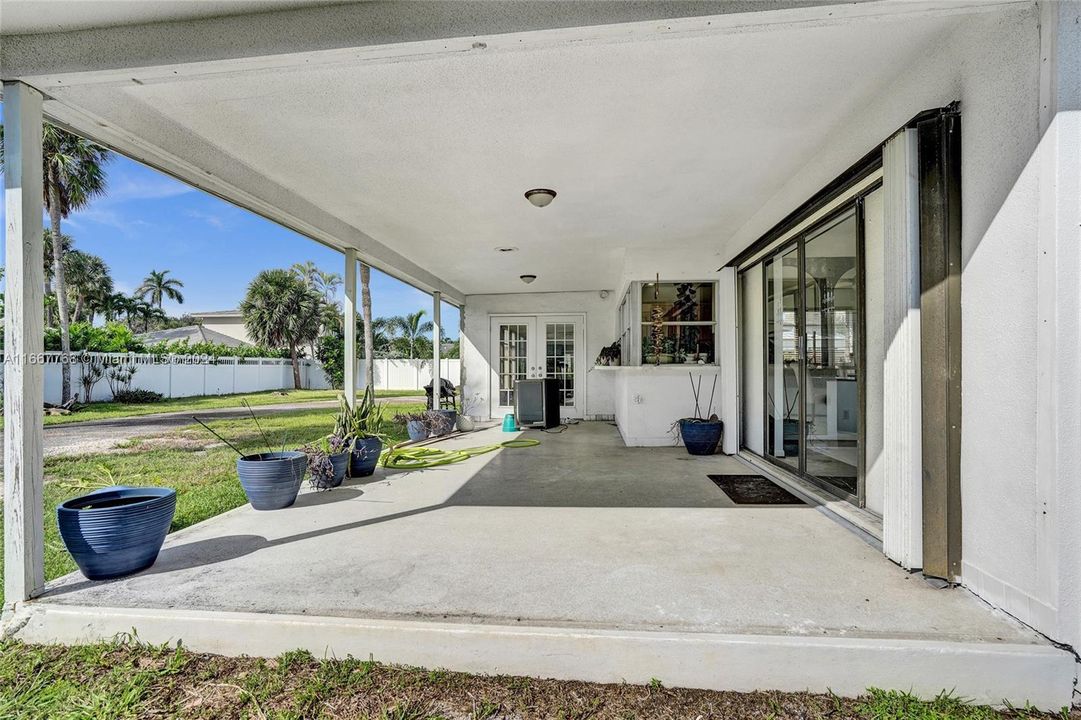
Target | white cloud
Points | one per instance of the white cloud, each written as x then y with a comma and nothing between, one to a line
209,218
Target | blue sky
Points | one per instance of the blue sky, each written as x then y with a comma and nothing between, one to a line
149,221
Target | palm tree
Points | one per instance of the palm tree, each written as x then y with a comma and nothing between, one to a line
65,248
73,174
307,272
328,283
158,286
88,280
115,305
369,330
146,312
410,331
281,311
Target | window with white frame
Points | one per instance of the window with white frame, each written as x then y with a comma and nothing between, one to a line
678,323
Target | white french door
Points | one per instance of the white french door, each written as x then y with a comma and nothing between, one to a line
538,346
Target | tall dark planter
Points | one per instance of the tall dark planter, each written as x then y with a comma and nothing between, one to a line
341,462
116,531
272,480
365,457
700,436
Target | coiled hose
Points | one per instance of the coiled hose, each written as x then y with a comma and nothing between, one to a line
418,458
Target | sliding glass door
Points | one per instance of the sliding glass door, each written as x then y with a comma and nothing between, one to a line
811,334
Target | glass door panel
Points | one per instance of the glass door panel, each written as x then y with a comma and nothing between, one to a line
564,354
512,340
782,358
831,323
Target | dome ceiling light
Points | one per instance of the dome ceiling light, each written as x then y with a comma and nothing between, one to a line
540,197
527,278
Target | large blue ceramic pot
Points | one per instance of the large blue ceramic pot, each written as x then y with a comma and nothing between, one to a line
272,480
700,436
116,531
365,456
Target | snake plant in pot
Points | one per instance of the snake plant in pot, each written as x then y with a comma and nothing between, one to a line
362,428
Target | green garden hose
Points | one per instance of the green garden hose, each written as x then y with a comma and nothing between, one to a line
417,458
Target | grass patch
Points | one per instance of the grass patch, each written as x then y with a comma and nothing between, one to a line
112,411
125,679
190,460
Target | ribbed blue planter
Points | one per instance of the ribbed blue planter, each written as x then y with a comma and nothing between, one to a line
700,436
417,430
116,531
450,419
365,456
272,480
341,464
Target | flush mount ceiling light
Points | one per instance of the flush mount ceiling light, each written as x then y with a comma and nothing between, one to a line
540,197
506,249
527,278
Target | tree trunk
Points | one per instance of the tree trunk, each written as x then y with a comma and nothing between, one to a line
366,310
296,366
60,287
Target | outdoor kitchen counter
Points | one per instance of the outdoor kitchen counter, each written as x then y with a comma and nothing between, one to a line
649,399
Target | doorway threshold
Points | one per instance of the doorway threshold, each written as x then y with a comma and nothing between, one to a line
863,523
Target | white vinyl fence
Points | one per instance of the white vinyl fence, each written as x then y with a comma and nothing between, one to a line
188,375
406,374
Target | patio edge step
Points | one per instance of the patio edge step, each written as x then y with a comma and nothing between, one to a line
986,673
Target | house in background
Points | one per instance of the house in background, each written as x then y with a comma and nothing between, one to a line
229,323
856,225
193,334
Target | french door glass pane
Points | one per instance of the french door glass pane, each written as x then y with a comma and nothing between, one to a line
512,360
559,359
781,275
831,400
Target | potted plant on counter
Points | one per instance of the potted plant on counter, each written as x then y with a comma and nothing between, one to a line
361,426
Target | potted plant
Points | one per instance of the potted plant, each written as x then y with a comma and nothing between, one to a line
610,355
116,531
328,461
423,425
701,435
271,480
361,426
465,422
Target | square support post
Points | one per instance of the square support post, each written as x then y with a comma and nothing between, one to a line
437,301
24,573
349,358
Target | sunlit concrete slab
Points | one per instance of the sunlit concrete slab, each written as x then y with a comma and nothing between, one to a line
579,545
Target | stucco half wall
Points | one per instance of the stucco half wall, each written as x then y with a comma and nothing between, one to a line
600,330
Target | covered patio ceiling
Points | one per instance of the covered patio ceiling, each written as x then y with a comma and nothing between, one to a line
658,137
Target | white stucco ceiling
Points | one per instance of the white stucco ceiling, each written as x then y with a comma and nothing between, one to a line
20,17
659,143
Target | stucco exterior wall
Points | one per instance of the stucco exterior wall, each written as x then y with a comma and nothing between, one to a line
600,330
226,325
991,63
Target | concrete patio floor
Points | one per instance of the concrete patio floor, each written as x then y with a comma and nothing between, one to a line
577,534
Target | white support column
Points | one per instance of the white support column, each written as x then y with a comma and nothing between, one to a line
1058,329
24,574
350,319
728,360
437,302
902,457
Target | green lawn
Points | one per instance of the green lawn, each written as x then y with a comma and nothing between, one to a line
197,465
125,680
111,411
